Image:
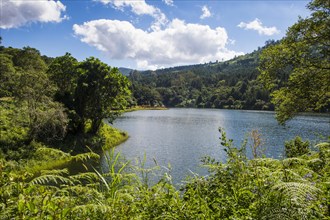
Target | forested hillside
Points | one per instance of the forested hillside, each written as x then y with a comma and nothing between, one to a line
231,84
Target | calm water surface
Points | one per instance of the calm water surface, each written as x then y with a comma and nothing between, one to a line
181,137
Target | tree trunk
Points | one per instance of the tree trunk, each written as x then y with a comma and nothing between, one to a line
95,126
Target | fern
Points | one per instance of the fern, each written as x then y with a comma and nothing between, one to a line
85,157
283,213
56,153
315,164
85,178
294,161
51,179
95,208
323,145
298,193
266,162
291,200
55,172
90,193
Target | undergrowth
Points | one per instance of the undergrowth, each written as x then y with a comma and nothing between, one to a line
241,188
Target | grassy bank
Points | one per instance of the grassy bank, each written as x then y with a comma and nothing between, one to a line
111,136
138,108
37,155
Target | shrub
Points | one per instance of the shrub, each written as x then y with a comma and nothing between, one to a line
296,147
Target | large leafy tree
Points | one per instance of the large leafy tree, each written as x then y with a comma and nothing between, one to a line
7,75
46,117
297,69
24,79
63,72
101,91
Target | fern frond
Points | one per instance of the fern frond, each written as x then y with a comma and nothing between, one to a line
95,208
55,172
88,192
293,176
266,162
85,157
93,185
51,179
52,152
314,161
293,161
88,177
323,145
298,193
285,214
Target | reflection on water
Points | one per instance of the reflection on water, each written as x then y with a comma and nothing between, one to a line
182,137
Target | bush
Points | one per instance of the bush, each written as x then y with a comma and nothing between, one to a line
296,147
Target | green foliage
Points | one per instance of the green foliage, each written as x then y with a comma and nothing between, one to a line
8,75
297,69
107,137
260,188
38,103
53,104
100,90
226,85
296,147
13,130
111,136
31,93
63,71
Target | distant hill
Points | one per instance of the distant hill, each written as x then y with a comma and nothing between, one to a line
230,84
125,71
232,66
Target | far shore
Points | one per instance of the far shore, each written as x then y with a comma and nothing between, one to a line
145,107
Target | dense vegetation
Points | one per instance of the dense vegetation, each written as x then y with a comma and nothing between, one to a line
51,118
56,100
297,70
261,188
230,85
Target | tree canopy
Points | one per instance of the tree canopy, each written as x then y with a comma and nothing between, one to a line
231,84
54,98
297,69
100,90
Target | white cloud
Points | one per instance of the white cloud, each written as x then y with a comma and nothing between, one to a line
169,2
177,44
206,12
140,7
257,26
232,42
18,13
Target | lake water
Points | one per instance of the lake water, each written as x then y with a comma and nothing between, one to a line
181,137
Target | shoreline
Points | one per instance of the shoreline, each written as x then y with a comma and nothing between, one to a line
139,108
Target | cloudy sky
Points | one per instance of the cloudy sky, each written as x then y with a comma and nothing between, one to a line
146,34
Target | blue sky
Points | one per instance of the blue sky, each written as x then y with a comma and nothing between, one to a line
146,34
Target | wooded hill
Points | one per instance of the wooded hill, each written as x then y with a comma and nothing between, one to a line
231,84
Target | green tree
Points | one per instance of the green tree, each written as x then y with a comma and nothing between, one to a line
63,72
46,118
23,72
101,91
297,69
29,59
8,75
146,95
